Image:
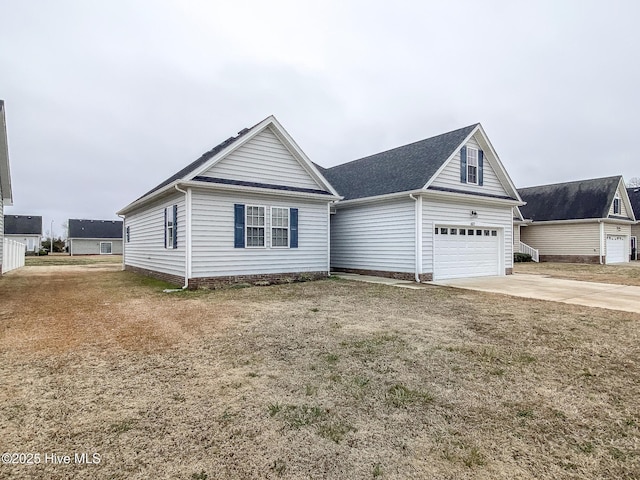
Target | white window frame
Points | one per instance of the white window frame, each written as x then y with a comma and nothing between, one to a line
110,248
168,227
287,228
247,226
471,165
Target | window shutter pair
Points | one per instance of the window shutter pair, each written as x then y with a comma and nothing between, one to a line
463,166
238,234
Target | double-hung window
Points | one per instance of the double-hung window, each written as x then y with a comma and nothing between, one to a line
171,227
472,165
255,226
279,227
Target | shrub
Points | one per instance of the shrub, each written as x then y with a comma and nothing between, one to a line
43,252
521,257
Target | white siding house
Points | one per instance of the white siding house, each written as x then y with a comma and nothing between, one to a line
6,195
253,209
24,229
434,209
94,237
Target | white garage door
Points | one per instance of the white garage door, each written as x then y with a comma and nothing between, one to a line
615,248
466,252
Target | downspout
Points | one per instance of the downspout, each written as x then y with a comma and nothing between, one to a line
187,235
601,240
418,236
124,239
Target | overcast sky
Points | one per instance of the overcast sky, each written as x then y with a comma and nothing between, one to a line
105,99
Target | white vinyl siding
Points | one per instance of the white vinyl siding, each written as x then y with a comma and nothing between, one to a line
458,214
378,236
263,159
91,246
31,242
516,237
147,228
450,175
623,208
563,239
213,252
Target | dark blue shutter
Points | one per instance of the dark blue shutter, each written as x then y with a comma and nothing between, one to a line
175,226
239,226
165,228
480,167
128,234
463,165
293,219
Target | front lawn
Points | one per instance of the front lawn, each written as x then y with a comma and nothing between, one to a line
63,259
330,379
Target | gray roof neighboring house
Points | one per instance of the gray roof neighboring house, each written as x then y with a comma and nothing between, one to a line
400,169
22,225
581,199
634,197
95,228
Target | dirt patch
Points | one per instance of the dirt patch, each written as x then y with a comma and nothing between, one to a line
328,379
620,274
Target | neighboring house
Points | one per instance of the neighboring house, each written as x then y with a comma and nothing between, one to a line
586,221
634,198
6,194
434,209
94,237
253,209
26,229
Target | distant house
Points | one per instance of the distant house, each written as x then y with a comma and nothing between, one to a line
253,209
435,209
25,229
634,197
587,221
94,237
6,195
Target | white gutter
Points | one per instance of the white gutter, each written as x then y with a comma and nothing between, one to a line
418,236
187,235
601,240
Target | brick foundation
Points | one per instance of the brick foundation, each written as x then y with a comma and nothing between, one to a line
571,258
424,277
508,271
258,279
167,277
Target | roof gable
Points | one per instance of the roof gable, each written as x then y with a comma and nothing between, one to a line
207,161
22,225
582,199
95,228
414,167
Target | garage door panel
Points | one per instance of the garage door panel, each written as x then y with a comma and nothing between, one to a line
616,249
466,255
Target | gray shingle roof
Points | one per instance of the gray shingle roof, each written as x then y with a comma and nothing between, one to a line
95,228
401,169
634,196
569,201
22,225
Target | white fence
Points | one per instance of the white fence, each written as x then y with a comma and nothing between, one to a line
12,255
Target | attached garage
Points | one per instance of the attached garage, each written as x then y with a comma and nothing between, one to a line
466,251
616,249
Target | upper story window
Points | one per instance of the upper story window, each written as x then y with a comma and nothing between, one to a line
472,165
616,205
255,226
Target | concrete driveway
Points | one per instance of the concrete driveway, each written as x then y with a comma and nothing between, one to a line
590,294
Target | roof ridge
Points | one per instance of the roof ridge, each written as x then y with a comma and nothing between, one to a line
571,182
351,162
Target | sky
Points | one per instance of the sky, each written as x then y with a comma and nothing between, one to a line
104,100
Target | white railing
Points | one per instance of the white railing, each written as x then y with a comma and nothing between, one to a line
524,248
12,255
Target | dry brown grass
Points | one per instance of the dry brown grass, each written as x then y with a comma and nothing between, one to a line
329,379
621,274
64,259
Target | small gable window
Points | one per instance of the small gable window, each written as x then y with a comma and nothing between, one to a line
616,205
472,165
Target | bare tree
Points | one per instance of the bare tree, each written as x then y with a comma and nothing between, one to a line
633,182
